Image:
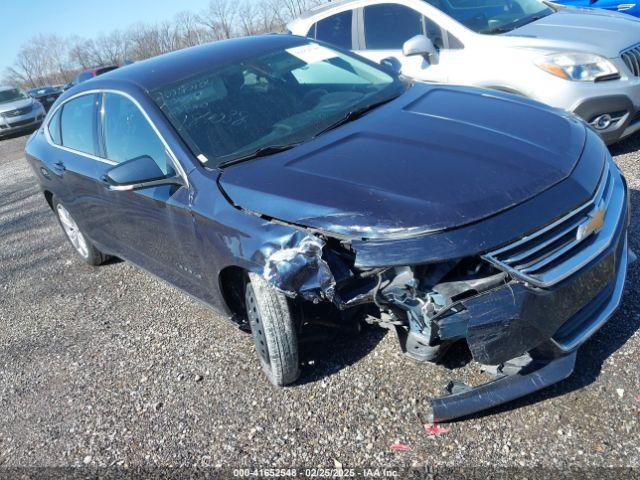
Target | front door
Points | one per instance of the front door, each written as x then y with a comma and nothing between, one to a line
387,26
152,227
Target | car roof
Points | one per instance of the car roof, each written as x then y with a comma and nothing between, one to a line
6,87
171,67
324,7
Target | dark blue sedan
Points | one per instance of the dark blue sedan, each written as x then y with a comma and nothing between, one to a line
278,179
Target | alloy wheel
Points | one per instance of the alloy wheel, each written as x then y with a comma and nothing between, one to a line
72,231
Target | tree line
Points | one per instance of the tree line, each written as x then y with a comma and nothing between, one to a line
48,59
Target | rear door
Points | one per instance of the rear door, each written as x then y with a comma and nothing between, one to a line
76,161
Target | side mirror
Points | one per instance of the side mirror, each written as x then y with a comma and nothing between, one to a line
392,64
138,173
420,45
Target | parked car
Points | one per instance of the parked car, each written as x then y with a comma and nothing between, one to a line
553,54
88,75
271,176
18,111
45,95
612,5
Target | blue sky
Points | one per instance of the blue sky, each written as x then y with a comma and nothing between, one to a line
22,19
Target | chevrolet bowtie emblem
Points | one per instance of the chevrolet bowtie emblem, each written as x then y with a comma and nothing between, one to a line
594,224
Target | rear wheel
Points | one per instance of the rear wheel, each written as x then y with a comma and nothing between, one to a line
273,331
82,245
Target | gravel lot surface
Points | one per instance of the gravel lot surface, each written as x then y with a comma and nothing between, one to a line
109,366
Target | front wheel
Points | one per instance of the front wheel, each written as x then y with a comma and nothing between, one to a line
82,245
273,331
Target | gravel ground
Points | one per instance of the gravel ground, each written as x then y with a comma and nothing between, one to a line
109,366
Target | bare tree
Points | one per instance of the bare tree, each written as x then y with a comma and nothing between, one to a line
267,16
220,16
190,31
42,60
112,48
46,59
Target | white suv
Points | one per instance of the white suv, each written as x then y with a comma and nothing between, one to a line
583,60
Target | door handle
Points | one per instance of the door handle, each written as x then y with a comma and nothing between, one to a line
59,166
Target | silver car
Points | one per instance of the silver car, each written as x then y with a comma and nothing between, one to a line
18,111
582,60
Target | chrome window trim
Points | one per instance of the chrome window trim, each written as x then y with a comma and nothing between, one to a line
171,154
50,141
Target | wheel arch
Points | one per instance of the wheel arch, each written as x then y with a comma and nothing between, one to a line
231,281
48,196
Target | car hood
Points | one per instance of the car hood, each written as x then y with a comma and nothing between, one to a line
433,159
8,106
585,29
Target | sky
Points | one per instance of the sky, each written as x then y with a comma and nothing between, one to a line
22,19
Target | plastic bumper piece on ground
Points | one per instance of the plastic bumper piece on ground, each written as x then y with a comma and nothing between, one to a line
501,390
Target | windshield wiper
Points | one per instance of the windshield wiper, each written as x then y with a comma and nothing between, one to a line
492,31
271,149
357,113
261,152
517,24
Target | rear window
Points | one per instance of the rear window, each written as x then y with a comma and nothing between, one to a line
78,124
335,29
100,71
83,77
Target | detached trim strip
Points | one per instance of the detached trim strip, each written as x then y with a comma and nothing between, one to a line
501,390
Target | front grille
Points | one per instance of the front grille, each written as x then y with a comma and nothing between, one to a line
20,123
631,57
18,112
549,255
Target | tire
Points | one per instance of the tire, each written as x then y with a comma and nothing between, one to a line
273,331
78,240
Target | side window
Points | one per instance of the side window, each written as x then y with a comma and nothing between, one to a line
441,38
54,128
434,32
335,29
387,26
312,31
128,134
77,124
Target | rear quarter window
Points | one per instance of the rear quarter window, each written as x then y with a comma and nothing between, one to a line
77,124
54,128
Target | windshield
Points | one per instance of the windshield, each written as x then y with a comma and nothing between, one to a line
12,95
493,16
42,91
271,101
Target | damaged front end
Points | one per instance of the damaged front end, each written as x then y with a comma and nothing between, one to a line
522,309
